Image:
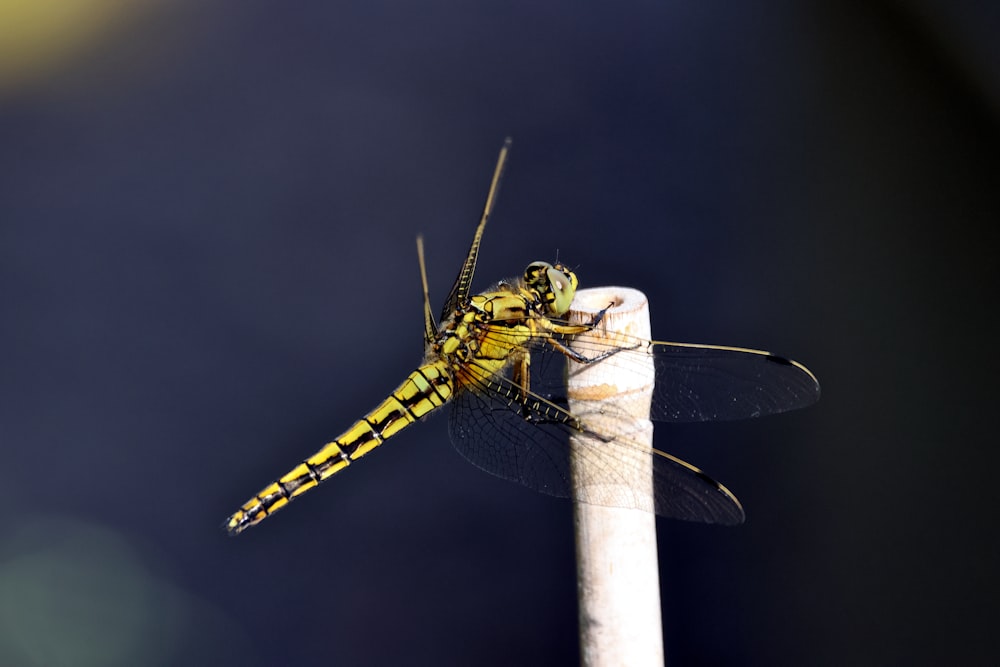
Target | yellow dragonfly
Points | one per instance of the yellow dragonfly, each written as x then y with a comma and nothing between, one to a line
498,358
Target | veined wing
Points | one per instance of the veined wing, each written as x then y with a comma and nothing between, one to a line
463,283
694,382
716,383
526,438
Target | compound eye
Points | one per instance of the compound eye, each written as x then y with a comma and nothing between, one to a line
535,274
563,285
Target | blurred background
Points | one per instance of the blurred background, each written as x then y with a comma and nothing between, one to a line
207,270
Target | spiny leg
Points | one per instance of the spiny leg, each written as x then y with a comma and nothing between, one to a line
521,377
522,371
575,330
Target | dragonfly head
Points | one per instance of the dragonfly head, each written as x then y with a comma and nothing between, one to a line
556,285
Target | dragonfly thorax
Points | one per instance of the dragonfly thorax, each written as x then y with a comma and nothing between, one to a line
491,328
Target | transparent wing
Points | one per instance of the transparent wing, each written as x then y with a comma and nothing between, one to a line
693,382
526,439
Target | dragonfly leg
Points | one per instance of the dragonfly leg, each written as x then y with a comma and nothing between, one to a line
600,315
573,329
521,376
532,410
583,359
521,373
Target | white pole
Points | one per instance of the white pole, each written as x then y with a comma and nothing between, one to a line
617,566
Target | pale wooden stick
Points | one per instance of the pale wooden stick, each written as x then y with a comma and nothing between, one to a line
617,567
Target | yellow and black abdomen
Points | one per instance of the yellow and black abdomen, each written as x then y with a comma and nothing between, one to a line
424,390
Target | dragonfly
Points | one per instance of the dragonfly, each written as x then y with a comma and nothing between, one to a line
499,359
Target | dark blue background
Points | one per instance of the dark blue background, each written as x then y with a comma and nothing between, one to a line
207,270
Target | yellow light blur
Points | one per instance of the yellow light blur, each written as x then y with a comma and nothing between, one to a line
39,36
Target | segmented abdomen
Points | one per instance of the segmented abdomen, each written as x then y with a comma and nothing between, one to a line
423,391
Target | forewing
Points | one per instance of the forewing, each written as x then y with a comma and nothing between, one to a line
693,382
716,383
703,382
